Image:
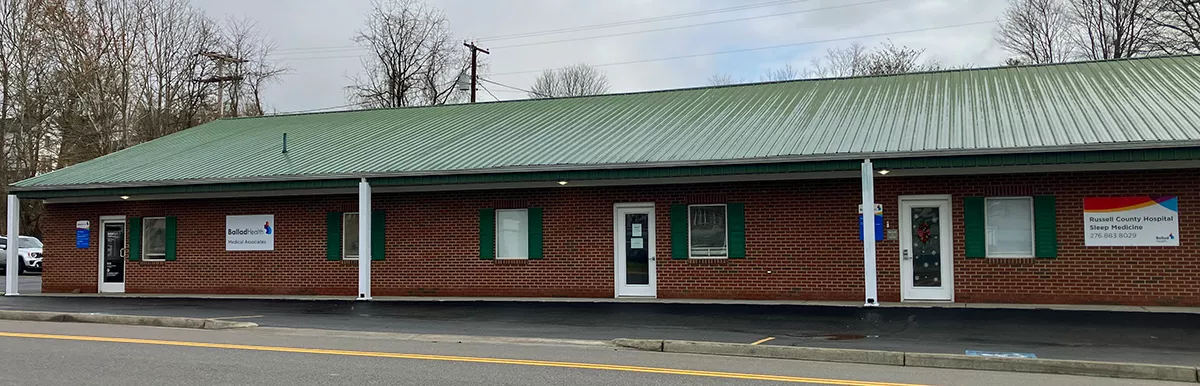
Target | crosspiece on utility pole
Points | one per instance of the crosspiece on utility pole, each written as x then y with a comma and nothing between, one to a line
475,50
220,59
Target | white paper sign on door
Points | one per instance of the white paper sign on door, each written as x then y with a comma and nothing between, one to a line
637,230
250,233
636,243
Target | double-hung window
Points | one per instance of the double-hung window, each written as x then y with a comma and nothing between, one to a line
1009,227
708,231
342,233
350,236
512,233
154,238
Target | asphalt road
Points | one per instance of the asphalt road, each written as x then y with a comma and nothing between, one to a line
55,354
1102,336
27,284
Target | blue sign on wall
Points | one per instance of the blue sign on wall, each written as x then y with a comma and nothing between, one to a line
878,222
83,238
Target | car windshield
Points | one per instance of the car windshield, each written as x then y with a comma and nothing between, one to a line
29,242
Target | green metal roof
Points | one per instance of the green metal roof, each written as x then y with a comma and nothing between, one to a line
1104,105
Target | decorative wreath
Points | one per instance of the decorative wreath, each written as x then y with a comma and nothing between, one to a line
923,232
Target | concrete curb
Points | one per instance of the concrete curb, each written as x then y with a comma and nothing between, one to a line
1054,366
945,361
133,320
786,352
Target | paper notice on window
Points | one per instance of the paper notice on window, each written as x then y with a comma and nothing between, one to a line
637,230
636,243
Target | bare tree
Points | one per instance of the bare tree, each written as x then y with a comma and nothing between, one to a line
720,80
890,59
787,72
413,60
241,39
83,78
840,62
94,51
575,80
170,97
1037,31
1109,29
1178,23
27,96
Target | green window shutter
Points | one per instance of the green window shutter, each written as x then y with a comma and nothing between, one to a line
170,236
487,234
1045,228
535,233
135,238
378,234
974,224
333,236
736,217
679,231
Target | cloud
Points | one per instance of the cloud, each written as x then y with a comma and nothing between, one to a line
318,77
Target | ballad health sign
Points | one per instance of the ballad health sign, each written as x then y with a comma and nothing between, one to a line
1131,221
250,233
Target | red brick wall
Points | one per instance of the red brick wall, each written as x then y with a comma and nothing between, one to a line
801,244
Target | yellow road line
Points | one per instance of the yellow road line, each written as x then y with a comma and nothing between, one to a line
237,317
522,362
763,340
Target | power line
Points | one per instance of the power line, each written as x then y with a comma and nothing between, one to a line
313,50
719,52
764,48
514,88
690,25
638,21
316,110
484,87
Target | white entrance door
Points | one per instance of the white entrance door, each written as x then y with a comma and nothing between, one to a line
633,233
113,252
926,249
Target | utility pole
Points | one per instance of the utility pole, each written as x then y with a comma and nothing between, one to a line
475,50
220,60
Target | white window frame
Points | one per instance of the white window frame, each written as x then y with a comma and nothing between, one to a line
347,256
689,232
146,256
496,240
1032,229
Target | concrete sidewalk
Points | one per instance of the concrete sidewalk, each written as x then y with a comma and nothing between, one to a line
1116,335
824,303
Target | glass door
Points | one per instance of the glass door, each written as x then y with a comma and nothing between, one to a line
635,260
926,252
112,257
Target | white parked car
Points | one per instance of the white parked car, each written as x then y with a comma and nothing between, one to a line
29,255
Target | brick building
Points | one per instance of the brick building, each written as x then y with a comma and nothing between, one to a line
1069,183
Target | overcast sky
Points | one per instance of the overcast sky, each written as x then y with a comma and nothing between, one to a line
314,38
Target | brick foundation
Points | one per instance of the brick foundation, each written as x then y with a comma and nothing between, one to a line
801,239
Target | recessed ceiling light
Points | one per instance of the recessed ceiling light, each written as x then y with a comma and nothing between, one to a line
562,182
884,172
124,197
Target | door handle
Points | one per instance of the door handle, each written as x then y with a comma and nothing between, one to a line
652,258
904,254
124,251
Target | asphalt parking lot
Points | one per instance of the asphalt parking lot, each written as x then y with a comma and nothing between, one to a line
28,284
1160,338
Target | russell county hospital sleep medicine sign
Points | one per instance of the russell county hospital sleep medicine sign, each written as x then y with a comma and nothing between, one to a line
250,233
1131,221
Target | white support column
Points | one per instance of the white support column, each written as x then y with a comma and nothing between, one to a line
364,240
14,243
868,223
